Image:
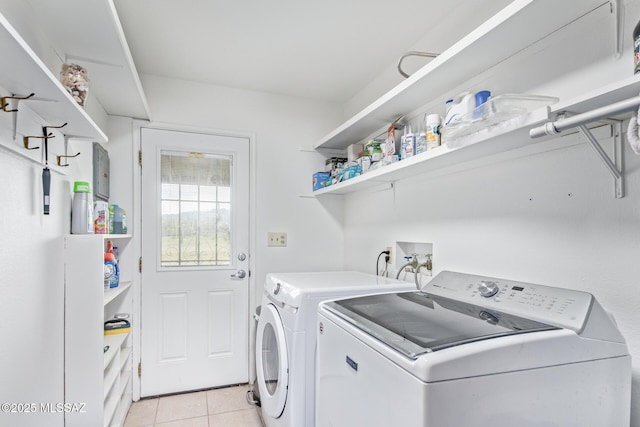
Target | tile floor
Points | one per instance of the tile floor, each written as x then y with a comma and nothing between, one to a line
224,407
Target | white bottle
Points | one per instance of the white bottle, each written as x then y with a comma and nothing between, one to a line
101,217
82,210
433,131
408,147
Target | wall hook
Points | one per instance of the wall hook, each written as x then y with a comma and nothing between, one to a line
66,157
44,129
25,140
4,104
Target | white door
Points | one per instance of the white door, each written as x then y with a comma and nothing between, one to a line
195,241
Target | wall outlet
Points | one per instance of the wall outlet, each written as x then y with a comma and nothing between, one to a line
390,254
277,238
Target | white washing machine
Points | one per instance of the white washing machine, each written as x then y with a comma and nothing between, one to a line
286,338
471,351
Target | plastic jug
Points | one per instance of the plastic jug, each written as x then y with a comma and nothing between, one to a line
82,209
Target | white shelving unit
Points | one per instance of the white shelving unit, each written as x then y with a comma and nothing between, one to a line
520,25
100,379
24,73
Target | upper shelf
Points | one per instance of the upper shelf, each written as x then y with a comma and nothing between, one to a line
102,49
517,26
23,73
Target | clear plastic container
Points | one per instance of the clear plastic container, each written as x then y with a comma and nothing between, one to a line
75,79
503,110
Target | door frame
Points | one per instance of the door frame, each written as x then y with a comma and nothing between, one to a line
136,288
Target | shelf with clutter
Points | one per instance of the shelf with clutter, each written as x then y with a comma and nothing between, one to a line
470,129
499,137
499,124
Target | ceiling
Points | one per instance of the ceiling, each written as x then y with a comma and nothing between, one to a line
325,50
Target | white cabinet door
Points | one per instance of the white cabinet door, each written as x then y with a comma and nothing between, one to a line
195,239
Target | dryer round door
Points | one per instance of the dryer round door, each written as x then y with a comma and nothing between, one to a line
272,364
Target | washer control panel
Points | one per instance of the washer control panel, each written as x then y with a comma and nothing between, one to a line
488,288
556,306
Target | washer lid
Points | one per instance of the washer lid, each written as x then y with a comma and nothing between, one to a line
291,288
415,323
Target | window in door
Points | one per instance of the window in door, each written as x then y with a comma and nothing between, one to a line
195,209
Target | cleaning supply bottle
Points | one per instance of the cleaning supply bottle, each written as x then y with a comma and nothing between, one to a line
408,146
101,217
433,131
82,209
111,269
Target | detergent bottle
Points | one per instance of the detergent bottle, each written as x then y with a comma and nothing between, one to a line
111,269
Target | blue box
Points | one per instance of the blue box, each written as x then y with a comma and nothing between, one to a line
352,172
321,180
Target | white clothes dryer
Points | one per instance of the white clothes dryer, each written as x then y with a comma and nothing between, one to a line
471,351
286,338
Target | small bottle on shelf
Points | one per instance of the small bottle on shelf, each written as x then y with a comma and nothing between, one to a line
111,269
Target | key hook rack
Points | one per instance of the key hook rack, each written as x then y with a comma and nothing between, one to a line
615,166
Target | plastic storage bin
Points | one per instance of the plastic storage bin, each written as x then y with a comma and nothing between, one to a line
507,111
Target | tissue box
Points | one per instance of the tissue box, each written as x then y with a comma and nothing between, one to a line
321,180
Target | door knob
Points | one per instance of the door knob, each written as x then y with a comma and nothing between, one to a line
241,274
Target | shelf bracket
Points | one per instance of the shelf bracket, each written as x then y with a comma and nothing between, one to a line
602,114
615,166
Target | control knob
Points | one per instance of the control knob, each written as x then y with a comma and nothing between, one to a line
488,288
